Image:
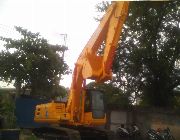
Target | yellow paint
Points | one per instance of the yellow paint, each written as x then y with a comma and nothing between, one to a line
88,66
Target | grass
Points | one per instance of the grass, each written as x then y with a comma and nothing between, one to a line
27,135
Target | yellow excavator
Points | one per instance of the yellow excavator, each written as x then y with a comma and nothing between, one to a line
77,118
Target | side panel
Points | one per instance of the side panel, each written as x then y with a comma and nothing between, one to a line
25,108
51,113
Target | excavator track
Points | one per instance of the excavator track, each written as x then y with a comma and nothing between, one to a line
73,133
56,133
91,133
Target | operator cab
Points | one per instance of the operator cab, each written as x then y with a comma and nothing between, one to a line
94,102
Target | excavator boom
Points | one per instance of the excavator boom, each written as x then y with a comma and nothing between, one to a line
90,65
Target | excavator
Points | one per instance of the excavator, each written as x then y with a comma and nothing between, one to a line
84,111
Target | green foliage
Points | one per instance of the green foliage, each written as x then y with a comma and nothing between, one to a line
59,91
32,137
7,108
26,134
147,60
33,63
113,96
148,52
101,7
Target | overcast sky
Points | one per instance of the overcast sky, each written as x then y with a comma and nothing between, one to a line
52,18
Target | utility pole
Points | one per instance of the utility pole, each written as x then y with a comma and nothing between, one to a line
64,37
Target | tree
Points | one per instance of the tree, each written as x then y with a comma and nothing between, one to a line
146,61
113,96
7,108
33,63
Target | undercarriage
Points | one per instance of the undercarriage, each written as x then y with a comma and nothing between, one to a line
72,133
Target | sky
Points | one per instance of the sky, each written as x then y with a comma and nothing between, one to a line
52,18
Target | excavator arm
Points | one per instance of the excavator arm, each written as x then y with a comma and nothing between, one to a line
90,65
